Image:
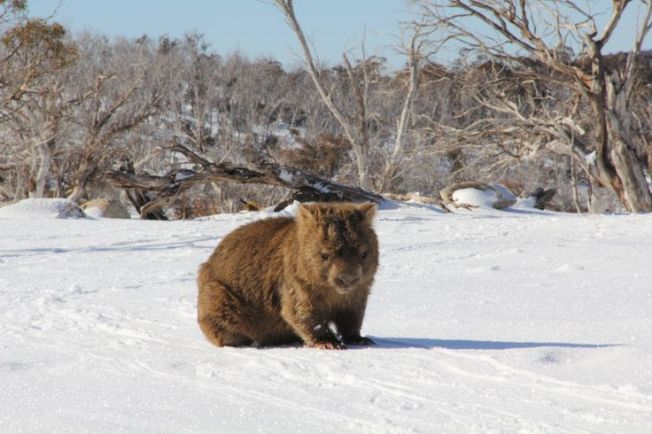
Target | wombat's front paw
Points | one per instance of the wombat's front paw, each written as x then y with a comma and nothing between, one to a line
358,340
328,345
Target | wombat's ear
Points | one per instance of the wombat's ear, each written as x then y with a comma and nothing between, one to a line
367,211
306,213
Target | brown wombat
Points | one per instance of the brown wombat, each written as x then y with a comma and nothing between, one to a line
283,280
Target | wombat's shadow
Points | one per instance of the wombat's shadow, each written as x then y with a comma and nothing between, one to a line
460,344
396,343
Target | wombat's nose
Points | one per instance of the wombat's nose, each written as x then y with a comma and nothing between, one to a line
347,280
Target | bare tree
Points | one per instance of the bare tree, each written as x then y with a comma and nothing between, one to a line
355,127
413,51
38,54
522,35
123,88
194,92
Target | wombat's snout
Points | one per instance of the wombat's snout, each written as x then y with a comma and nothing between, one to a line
347,281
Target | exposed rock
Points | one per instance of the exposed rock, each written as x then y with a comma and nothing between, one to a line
106,208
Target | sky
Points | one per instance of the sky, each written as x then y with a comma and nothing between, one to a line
254,27
257,29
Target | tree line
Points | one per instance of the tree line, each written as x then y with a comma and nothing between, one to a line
524,109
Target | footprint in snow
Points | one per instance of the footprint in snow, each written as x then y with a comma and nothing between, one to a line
568,268
477,270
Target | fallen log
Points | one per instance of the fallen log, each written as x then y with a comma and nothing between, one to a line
164,189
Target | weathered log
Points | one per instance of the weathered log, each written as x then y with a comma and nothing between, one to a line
167,187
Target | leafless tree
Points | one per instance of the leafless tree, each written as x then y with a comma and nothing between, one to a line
123,84
415,55
561,41
355,126
37,56
194,92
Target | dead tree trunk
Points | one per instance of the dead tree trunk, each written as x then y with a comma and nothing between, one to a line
164,189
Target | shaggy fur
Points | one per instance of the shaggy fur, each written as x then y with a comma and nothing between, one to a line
284,280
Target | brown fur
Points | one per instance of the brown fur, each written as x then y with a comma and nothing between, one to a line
284,280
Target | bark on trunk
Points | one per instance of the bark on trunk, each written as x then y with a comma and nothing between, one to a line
45,161
634,190
618,165
629,166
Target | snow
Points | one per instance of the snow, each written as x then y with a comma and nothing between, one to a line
486,321
493,196
183,174
286,176
94,212
44,208
591,157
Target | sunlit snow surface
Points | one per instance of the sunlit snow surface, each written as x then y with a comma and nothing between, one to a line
486,321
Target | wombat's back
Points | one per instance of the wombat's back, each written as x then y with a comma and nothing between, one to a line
250,259
238,301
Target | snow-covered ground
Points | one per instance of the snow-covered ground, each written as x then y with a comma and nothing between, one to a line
486,321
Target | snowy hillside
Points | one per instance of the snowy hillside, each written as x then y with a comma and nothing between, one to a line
486,321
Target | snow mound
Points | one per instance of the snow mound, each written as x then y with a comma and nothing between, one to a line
490,196
105,208
42,208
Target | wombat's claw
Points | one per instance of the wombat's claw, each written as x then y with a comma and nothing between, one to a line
328,345
360,340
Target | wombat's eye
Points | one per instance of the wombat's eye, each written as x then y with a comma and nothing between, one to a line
325,256
364,254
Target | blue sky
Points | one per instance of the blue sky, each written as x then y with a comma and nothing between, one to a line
256,28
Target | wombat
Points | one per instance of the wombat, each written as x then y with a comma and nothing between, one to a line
286,280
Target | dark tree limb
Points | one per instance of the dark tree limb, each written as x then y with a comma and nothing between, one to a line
139,197
164,189
543,197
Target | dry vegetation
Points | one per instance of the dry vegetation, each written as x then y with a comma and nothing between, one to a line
533,103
